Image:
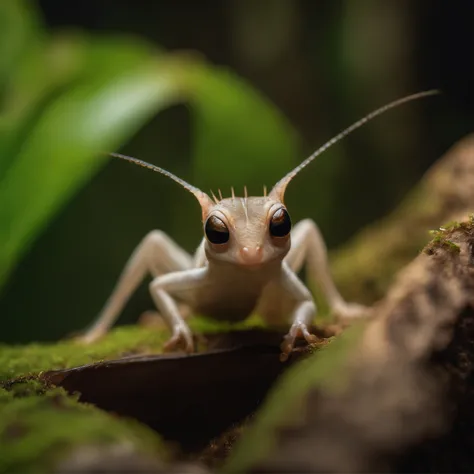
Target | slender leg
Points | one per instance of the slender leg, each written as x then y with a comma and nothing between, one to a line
308,246
303,313
176,283
156,254
200,258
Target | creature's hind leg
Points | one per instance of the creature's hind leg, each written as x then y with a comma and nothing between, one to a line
156,254
308,247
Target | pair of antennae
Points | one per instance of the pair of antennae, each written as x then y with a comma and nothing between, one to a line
278,190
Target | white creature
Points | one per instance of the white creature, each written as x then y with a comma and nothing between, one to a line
247,262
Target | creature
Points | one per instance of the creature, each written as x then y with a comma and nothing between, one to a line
247,262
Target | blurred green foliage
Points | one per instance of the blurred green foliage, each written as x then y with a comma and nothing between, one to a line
67,98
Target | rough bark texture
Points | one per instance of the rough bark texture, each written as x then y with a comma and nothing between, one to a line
119,459
407,404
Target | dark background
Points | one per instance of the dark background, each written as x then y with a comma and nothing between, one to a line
324,63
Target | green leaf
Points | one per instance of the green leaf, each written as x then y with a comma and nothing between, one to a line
19,33
72,97
117,89
42,74
21,40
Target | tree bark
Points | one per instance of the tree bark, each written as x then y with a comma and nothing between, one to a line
407,404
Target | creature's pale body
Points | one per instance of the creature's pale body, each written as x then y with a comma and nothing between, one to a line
253,272
246,263
233,292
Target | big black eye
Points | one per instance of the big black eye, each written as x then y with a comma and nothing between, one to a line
280,223
216,231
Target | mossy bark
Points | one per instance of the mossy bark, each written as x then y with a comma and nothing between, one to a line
400,398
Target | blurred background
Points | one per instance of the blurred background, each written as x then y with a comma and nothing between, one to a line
221,93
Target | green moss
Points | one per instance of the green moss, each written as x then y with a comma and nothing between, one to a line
440,240
202,324
24,360
39,424
442,236
33,358
451,225
37,431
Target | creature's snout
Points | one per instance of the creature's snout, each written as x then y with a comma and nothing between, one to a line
251,256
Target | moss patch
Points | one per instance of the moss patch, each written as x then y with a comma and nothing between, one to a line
40,424
440,237
38,431
33,358
440,240
24,360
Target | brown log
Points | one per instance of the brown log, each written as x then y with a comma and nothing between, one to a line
408,405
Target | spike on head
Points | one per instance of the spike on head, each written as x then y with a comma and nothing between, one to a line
214,197
232,192
204,200
220,194
278,191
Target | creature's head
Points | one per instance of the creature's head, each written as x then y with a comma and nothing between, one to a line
247,231
252,231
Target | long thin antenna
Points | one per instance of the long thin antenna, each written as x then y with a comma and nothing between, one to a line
157,169
279,188
203,198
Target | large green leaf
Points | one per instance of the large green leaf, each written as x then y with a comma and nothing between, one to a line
19,32
71,97
116,89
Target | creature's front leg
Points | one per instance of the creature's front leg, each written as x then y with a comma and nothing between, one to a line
303,313
184,283
156,254
307,246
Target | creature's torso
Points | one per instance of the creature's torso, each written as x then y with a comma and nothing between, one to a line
232,293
